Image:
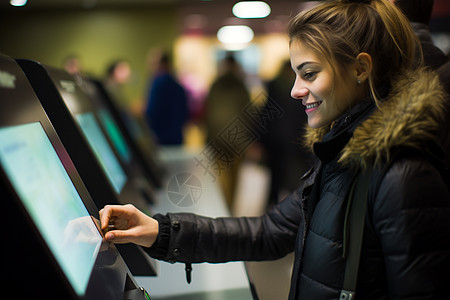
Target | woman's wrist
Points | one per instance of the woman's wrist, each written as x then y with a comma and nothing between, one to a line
161,245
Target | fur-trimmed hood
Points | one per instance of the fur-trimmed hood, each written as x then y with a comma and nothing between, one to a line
409,116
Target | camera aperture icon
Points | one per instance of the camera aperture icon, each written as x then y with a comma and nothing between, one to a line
184,189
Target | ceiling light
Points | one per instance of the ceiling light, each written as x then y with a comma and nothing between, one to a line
18,2
251,9
235,34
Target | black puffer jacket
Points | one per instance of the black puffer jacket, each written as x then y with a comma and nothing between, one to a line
406,246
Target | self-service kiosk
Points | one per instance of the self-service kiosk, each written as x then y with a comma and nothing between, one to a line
68,105
125,131
52,243
107,179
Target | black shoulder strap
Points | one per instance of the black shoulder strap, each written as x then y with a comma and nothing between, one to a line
353,232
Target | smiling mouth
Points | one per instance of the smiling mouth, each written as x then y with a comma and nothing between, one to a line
313,105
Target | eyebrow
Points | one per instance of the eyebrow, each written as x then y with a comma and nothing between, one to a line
302,65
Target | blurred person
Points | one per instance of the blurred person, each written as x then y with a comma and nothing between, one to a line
227,97
285,156
419,14
167,109
72,64
370,108
118,74
226,100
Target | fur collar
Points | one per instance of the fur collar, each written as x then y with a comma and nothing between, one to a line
410,116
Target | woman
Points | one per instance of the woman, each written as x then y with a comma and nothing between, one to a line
368,105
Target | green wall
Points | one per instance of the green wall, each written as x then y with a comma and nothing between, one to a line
97,36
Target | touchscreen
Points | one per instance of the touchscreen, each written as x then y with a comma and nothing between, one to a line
113,131
102,150
48,194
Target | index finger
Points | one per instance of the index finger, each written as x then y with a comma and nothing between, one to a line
110,212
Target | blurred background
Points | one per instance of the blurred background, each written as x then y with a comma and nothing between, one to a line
122,43
101,32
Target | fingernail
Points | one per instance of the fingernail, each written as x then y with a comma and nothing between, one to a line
110,236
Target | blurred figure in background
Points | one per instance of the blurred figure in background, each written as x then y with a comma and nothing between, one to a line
285,156
227,98
118,74
167,108
419,14
72,64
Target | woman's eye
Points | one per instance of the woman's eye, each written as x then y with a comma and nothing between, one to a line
309,75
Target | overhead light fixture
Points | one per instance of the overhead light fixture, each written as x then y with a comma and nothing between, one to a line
235,36
251,9
18,2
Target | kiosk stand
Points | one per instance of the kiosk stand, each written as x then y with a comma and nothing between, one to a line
52,236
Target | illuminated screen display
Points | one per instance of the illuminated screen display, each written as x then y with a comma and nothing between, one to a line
114,134
102,150
49,196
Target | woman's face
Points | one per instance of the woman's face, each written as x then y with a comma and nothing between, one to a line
324,96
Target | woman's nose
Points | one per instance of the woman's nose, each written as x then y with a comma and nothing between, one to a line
299,92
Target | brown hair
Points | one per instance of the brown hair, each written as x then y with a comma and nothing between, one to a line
340,30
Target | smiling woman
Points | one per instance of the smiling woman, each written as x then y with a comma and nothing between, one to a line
379,28
325,95
369,108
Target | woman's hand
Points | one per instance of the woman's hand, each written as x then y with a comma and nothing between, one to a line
127,224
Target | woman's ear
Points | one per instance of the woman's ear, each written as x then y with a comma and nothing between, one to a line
363,67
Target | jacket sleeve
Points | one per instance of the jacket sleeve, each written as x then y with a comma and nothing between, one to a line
411,218
192,238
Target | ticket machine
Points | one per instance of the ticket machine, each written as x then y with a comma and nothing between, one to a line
52,245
